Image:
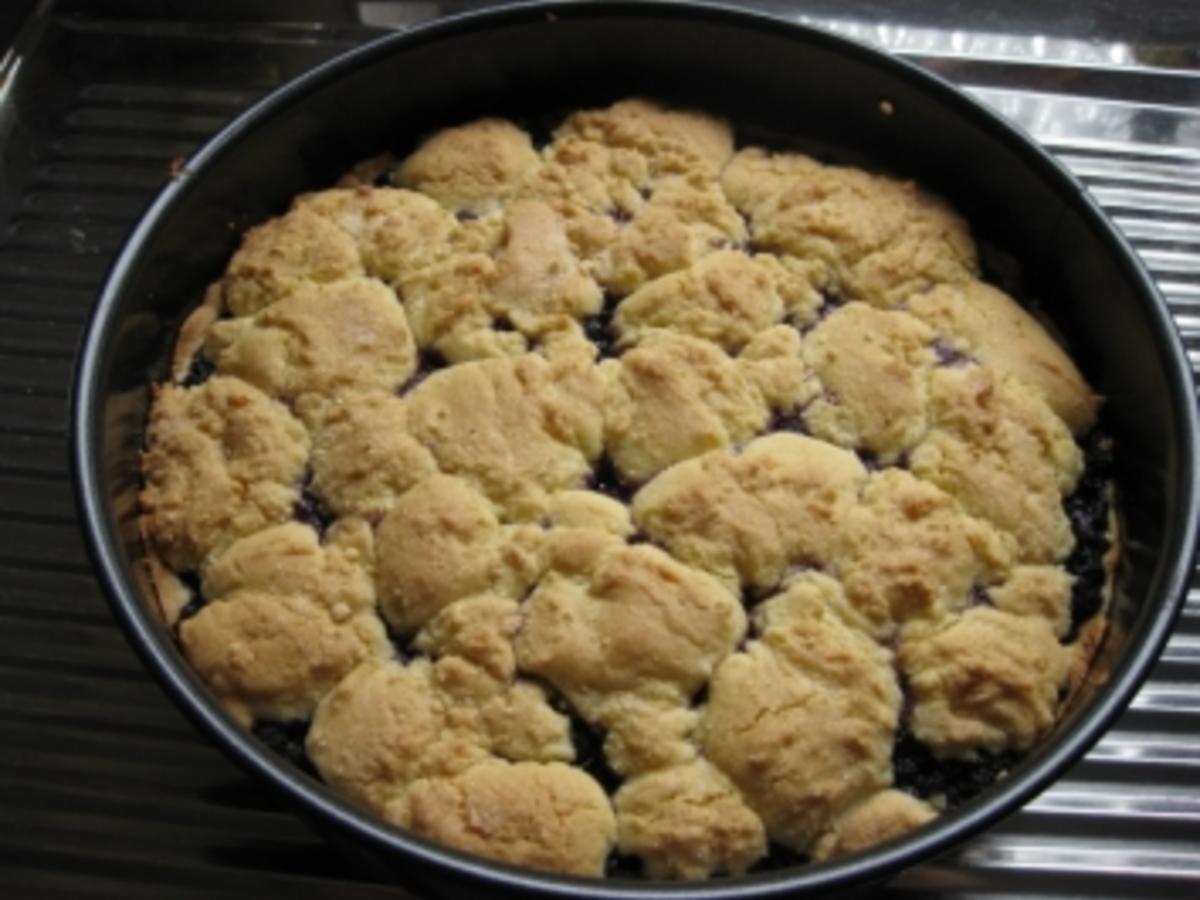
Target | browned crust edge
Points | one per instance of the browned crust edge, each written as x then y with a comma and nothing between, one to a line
1095,632
193,330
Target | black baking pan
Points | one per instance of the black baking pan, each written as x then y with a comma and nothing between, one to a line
772,78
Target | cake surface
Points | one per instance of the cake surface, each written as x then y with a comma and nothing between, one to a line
633,504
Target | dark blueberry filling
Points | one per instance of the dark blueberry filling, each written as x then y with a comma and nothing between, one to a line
312,511
1001,269
789,421
870,461
752,596
191,580
948,356
1087,509
287,739
431,361
199,371
829,305
980,596
402,644
466,215
587,740
502,323
622,865
778,857
608,481
919,772
621,216
589,753
599,328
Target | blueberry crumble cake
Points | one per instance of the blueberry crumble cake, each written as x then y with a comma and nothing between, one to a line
633,504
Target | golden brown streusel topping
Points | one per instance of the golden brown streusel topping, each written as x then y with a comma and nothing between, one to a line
474,167
746,518
287,253
872,366
633,500
223,460
688,821
395,231
673,397
802,720
989,681
319,339
982,321
883,817
1003,454
442,542
546,816
363,459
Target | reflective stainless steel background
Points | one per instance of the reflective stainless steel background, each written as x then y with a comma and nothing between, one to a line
106,791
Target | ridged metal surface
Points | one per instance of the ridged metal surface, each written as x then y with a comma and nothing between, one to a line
106,791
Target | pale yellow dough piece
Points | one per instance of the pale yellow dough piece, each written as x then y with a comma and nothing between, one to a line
479,629
873,365
746,518
673,142
475,167
1004,455
881,240
383,727
323,339
363,458
447,307
387,725
883,817
673,397
641,622
442,542
544,816
803,719
396,231
289,560
628,639
986,323
988,682
537,275
1043,591
517,429
591,186
688,822
588,509
678,226
530,281
223,460
910,556
274,656
290,252
727,298
774,361
286,618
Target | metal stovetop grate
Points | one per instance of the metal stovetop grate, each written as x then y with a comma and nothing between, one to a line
106,791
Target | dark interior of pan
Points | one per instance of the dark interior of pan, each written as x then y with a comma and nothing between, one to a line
774,80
